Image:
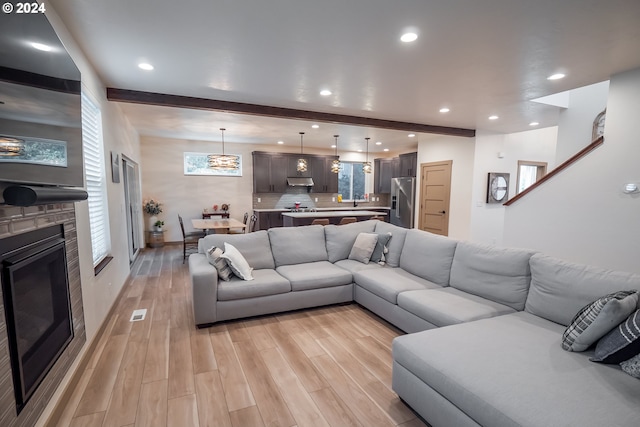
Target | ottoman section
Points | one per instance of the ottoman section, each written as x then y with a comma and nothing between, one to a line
314,275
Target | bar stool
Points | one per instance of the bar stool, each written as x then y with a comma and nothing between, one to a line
377,218
320,221
348,220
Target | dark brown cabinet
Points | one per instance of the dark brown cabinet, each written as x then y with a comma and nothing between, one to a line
384,170
324,181
270,172
408,164
268,220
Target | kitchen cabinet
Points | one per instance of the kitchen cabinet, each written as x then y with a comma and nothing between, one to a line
408,164
324,181
270,172
384,170
268,220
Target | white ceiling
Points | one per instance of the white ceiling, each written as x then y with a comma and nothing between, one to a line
477,57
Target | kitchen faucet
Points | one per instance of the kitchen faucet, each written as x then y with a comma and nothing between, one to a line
355,200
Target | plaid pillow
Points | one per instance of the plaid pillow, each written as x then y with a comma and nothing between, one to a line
622,343
224,271
596,319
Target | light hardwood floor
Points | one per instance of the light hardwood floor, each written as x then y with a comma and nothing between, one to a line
328,366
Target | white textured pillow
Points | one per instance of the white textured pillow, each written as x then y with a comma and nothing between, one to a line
236,261
214,256
363,247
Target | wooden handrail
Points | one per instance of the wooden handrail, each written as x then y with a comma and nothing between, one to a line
564,165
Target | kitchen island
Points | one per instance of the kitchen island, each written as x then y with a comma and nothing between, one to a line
293,219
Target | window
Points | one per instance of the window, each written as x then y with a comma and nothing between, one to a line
95,179
351,181
529,173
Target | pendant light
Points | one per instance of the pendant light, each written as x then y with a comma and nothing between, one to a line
335,165
366,166
302,163
11,147
223,162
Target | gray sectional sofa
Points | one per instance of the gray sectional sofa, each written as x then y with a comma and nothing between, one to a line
485,323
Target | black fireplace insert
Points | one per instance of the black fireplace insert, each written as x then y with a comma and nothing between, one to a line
35,288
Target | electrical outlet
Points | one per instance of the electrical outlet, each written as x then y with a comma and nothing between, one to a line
259,199
333,199
316,199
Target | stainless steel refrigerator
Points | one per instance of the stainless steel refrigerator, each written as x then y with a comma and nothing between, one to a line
403,195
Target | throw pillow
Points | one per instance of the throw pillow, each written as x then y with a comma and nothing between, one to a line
632,366
237,262
363,247
620,344
597,318
381,248
214,256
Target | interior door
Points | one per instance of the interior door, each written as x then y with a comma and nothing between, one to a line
435,191
133,206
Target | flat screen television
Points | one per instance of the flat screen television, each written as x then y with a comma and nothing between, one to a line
40,112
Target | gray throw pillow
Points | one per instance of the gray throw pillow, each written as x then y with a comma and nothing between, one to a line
363,247
620,344
214,258
596,319
381,248
632,366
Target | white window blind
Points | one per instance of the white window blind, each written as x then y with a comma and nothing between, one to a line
95,179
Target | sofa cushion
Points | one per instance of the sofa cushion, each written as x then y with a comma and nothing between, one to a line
363,247
499,274
622,343
511,371
559,288
395,244
595,320
237,262
255,247
353,266
313,275
265,282
340,238
428,255
298,245
449,306
388,282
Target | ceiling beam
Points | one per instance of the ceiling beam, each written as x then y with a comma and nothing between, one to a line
165,100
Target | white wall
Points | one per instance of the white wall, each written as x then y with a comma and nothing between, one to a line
582,214
487,220
575,123
460,151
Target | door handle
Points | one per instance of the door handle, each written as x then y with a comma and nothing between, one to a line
442,212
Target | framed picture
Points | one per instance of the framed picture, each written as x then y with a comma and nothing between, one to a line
497,187
115,167
198,164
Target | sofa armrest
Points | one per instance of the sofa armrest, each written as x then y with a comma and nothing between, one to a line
204,288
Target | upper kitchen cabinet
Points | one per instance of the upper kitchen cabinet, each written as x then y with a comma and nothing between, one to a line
324,181
270,172
384,170
408,164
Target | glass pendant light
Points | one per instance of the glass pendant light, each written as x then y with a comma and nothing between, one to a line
223,162
366,166
302,163
335,165
10,147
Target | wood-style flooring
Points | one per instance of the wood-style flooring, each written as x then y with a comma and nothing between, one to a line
328,366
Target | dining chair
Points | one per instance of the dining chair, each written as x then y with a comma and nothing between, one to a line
348,220
252,224
240,230
377,218
320,221
189,240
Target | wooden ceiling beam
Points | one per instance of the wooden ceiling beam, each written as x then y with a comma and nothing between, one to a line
165,100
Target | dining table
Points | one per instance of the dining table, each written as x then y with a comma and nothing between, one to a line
217,225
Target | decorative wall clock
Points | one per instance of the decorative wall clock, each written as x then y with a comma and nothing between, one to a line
498,187
598,125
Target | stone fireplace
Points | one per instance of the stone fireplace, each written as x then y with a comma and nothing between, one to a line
57,317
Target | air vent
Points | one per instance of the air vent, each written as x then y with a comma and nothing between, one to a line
138,315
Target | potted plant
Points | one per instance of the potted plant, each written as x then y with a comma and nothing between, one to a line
152,207
158,225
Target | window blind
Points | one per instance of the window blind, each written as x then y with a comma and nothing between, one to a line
95,178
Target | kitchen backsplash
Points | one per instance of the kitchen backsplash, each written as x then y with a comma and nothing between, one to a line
324,200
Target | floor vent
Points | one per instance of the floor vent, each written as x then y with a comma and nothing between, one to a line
138,315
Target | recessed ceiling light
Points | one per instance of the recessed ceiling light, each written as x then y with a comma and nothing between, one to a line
145,66
42,47
333,146
325,92
534,124
409,37
280,142
444,110
556,76
494,117
360,150
411,135
378,143
386,149
315,126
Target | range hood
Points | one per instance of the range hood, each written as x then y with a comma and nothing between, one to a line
297,181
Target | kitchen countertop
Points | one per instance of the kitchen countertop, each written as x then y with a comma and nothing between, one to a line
349,208
332,213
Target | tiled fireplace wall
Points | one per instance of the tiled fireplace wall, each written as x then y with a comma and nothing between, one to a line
17,220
